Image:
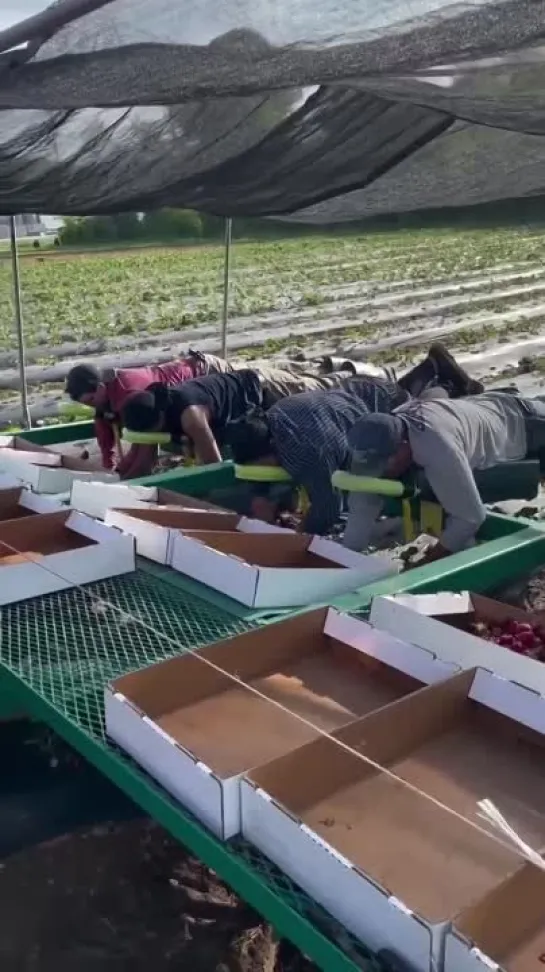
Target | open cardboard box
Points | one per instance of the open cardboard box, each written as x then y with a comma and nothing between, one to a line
19,502
391,865
96,498
441,622
47,472
155,528
504,931
278,570
54,551
196,731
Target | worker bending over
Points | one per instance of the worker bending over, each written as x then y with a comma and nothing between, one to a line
199,410
307,435
447,440
107,390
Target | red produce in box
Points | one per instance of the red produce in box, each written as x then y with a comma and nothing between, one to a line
526,637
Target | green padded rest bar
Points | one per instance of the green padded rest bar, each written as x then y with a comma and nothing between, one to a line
74,408
262,474
146,438
351,483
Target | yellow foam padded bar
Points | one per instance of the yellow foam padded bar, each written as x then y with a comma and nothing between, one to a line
262,474
350,483
146,438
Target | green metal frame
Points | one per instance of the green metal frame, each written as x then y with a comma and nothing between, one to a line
52,434
193,480
483,568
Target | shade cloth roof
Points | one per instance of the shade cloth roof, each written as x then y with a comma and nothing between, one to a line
318,112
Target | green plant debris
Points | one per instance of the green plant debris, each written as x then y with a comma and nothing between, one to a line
80,297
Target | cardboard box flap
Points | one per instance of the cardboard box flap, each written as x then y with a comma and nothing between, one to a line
509,699
19,443
19,502
87,527
433,605
420,663
251,525
52,459
382,736
94,497
181,518
264,550
507,926
36,503
168,497
337,554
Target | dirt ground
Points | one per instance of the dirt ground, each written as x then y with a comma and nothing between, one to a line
127,896
528,593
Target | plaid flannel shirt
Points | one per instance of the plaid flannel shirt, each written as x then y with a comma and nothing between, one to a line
310,434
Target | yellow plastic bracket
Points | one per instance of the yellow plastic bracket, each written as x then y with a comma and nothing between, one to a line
431,518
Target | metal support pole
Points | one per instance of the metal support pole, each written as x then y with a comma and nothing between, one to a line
27,422
226,283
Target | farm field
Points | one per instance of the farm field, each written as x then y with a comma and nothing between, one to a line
380,296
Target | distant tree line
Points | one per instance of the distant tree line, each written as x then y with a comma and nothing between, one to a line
186,225
166,225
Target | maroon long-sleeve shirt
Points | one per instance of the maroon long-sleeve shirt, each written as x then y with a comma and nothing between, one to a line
120,383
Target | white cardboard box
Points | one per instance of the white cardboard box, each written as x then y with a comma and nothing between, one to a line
187,724
48,472
54,551
416,617
95,498
156,527
371,850
283,570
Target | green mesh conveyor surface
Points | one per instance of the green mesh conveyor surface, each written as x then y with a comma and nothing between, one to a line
66,646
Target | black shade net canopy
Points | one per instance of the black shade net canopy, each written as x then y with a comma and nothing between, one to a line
311,111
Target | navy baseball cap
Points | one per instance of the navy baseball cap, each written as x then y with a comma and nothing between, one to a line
373,440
